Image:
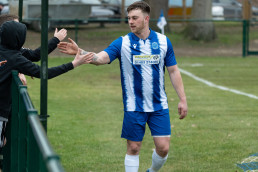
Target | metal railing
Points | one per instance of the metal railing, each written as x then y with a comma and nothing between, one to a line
27,148
246,35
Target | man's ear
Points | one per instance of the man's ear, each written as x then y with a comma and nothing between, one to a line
147,18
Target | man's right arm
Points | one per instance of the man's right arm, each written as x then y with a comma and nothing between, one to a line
71,48
100,58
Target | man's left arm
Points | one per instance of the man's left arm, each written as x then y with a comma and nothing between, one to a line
177,82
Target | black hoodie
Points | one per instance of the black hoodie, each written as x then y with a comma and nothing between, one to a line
12,38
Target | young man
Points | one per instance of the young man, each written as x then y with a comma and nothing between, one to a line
34,55
143,55
12,38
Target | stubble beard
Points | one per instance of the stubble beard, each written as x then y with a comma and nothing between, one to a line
139,29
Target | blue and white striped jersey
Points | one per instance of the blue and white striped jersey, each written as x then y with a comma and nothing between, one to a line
142,67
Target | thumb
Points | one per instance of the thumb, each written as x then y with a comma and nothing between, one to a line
79,51
72,41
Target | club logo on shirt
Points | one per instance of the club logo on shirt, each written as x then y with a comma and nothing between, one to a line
155,45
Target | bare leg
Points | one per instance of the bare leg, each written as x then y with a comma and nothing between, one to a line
162,145
160,154
132,156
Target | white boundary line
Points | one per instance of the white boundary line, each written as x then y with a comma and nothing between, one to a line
217,86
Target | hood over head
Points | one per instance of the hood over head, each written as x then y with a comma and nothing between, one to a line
13,34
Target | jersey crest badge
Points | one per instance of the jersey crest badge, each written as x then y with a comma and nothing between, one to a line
155,45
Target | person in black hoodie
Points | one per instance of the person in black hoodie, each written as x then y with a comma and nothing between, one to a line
12,38
34,55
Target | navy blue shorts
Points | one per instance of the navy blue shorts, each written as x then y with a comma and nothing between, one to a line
134,124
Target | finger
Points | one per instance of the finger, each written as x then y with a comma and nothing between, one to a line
179,110
63,31
2,62
90,55
63,44
88,60
63,51
62,48
71,41
79,51
183,115
24,82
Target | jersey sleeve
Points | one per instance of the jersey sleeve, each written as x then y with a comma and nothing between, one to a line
114,49
170,59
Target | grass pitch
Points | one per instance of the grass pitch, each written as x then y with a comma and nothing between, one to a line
86,113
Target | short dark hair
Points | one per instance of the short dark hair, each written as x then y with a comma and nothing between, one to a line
7,17
140,5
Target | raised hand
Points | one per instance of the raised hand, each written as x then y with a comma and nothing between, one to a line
70,47
60,34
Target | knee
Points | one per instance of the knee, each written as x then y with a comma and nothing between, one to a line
162,151
133,148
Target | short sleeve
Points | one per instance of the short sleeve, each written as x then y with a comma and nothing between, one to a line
114,49
170,59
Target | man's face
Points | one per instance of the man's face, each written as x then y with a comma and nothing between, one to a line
137,21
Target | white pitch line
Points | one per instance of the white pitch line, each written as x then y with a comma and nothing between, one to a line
217,86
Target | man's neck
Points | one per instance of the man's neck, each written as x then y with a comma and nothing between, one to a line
144,35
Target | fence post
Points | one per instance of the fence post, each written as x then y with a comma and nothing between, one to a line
244,38
20,10
76,30
44,63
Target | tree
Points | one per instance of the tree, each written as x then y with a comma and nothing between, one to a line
156,7
198,30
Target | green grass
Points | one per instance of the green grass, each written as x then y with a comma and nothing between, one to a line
86,113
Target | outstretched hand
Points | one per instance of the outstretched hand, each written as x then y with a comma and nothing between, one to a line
60,34
82,58
70,47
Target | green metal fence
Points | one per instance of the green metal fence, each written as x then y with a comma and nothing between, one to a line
27,148
246,35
